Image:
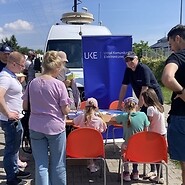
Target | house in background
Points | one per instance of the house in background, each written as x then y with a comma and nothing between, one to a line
161,48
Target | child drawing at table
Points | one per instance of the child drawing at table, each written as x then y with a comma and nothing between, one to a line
133,122
155,113
91,118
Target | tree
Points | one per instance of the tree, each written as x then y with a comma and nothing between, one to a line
138,48
39,51
12,41
23,50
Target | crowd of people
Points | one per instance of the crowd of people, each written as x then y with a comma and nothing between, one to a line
52,95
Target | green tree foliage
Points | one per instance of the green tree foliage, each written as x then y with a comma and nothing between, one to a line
39,51
24,50
12,41
156,65
138,48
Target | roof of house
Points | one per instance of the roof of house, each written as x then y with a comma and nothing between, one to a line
161,43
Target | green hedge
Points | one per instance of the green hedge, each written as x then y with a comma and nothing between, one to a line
156,65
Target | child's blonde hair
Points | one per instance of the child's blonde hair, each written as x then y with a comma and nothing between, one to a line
130,104
91,106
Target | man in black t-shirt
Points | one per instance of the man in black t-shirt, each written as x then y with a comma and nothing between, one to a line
140,77
173,77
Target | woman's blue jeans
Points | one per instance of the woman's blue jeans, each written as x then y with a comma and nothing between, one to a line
49,152
13,137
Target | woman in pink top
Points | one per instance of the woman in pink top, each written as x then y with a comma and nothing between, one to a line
49,103
91,118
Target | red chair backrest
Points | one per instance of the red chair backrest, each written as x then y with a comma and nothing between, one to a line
146,147
114,105
85,143
82,105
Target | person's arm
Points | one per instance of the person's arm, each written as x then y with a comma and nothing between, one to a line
150,118
26,97
113,119
103,125
3,107
146,129
119,119
147,122
122,93
68,79
168,79
65,109
25,105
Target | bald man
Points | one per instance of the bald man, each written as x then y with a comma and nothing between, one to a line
10,115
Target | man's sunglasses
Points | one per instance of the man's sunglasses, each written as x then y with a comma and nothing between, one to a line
129,59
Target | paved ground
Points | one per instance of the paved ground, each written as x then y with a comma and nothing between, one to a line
77,173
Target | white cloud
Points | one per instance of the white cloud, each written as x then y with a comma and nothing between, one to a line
3,34
1,29
19,25
16,27
2,1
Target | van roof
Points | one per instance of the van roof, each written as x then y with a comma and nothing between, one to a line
73,31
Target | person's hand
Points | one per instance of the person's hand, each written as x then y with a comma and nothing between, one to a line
113,119
120,107
182,96
67,83
13,116
123,146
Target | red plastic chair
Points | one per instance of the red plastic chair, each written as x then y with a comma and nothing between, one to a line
82,105
86,143
75,127
114,106
146,148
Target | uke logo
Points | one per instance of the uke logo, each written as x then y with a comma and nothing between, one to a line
91,55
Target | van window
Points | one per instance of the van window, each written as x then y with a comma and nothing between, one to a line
73,49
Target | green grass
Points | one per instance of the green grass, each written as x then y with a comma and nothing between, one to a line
167,95
177,163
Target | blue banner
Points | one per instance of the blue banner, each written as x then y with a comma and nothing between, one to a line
104,67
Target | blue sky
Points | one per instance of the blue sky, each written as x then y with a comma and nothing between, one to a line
147,20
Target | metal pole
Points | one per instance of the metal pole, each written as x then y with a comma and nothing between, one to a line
75,5
181,12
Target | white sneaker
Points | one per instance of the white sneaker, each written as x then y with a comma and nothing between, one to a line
135,176
126,177
93,168
157,180
22,164
150,174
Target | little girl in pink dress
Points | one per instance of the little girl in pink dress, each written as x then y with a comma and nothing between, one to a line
91,118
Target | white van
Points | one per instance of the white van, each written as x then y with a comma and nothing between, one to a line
67,37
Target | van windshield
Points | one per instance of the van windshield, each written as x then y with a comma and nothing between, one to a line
72,48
